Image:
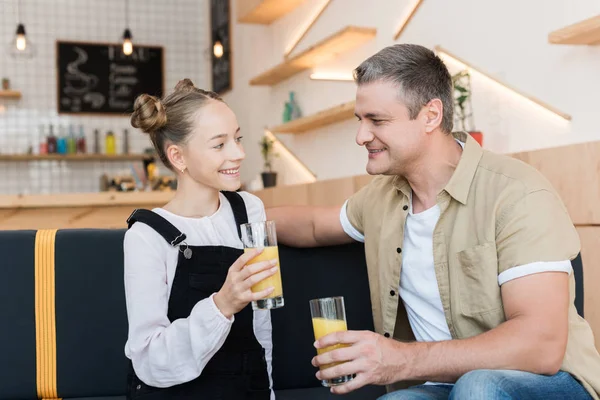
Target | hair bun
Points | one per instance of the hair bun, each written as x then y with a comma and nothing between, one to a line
149,114
185,85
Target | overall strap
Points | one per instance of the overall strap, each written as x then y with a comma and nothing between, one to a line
239,209
163,227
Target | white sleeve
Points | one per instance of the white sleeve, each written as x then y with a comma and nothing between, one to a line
164,353
534,268
348,228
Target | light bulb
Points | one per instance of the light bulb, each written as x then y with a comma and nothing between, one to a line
127,47
21,42
127,44
218,49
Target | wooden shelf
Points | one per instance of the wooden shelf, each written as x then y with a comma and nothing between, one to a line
10,94
264,11
340,42
318,120
584,32
74,157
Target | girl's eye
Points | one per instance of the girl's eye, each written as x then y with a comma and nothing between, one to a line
239,139
219,146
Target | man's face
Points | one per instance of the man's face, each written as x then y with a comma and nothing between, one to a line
393,141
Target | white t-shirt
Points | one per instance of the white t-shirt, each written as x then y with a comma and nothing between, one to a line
165,354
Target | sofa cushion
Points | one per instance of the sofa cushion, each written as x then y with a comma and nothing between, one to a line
321,393
17,312
91,316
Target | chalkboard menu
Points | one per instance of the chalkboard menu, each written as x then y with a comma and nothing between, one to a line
99,79
220,31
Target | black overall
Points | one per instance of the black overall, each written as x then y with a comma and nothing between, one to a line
238,370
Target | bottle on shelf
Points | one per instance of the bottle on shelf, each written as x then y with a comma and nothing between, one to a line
43,142
125,142
96,141
81,145
51,141
71,141
61,141
110,143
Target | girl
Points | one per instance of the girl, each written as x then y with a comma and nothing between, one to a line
192,333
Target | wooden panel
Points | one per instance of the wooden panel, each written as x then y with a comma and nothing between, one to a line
73,157
105,218
294,195
41,218
85,199
590,257
266,195
574,171
264,11
362,180
10,94
318,120
586,32
330,192
340,42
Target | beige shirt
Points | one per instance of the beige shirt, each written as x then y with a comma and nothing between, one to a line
497,213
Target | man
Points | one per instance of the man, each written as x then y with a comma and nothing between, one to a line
468,254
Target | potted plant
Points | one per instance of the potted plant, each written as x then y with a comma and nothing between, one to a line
269,177
463,113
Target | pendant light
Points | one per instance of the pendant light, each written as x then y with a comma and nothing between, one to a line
21,46
127,44
218,48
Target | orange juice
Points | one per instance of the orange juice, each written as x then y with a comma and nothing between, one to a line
324,327
269,253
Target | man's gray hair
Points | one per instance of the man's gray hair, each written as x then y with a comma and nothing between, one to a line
419,74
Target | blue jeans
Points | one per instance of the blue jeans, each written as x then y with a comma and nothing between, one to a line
498,385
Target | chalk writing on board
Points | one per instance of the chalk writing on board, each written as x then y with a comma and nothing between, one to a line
99,78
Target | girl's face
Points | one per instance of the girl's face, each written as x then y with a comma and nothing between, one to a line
214,153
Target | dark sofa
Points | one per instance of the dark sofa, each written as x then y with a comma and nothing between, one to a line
90,321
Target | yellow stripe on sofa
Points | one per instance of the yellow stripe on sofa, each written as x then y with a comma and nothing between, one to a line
45,314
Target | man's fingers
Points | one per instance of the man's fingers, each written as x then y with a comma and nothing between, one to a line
359,381
345,337
343,369
338,355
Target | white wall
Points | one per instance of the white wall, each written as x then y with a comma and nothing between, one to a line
507,39
180,26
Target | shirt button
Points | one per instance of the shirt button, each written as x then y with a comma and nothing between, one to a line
399,250
386,334
405,208
392,293
138,387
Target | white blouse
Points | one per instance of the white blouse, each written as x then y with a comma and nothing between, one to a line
165,354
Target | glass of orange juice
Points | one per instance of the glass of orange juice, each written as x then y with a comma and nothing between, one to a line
328,316
262,235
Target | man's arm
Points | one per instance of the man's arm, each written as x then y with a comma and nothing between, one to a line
308,226
532,339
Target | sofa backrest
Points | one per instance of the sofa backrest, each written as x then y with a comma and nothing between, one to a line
77,275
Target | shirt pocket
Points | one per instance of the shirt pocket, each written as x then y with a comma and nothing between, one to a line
479,291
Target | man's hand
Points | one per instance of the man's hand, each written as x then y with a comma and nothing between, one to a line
373,358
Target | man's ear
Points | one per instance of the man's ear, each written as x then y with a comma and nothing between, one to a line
433,114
